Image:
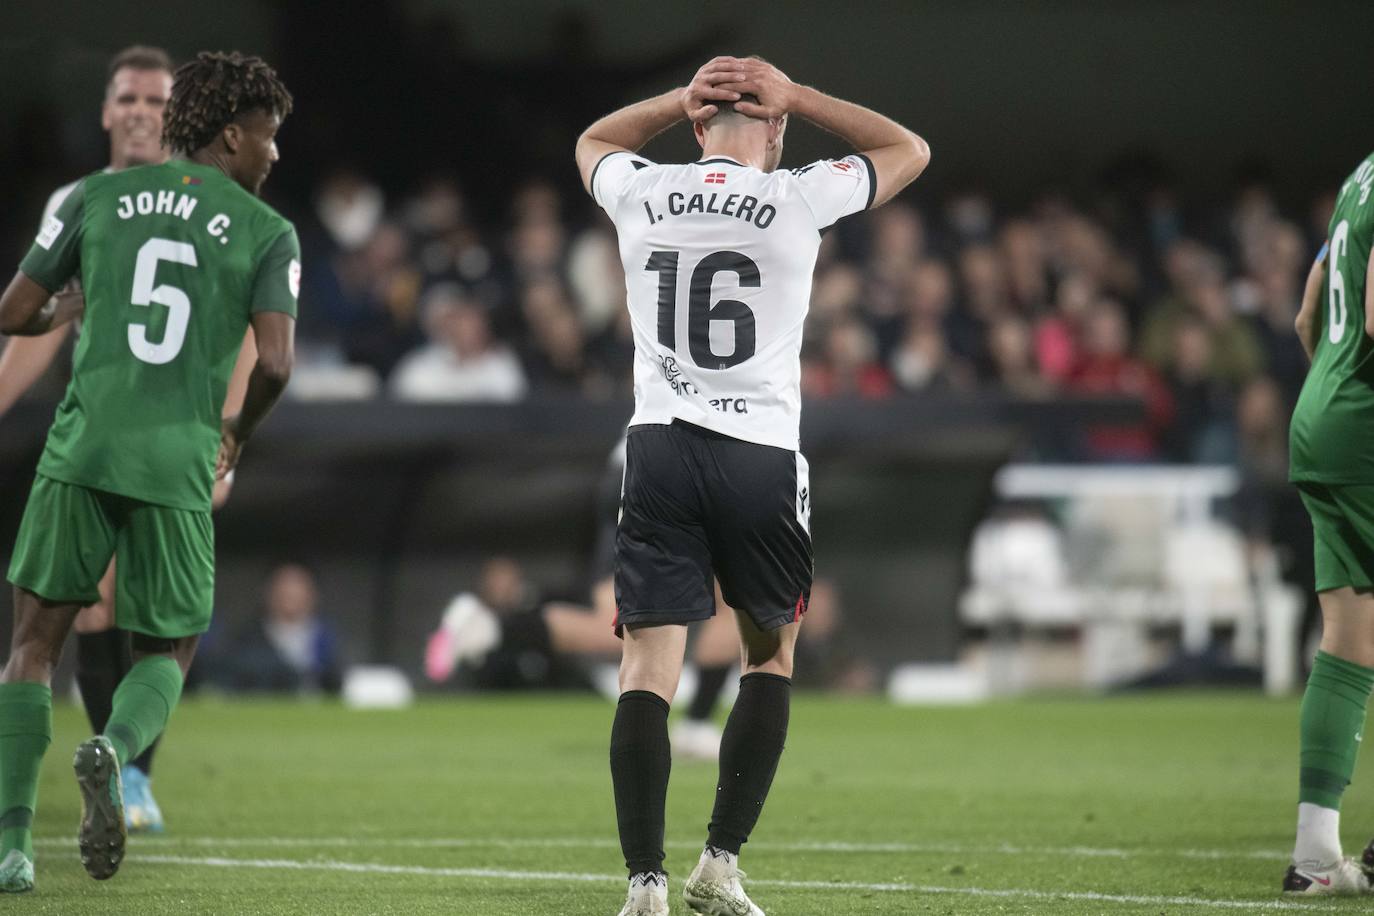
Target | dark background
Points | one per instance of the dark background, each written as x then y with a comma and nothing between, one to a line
1014,97
1107,103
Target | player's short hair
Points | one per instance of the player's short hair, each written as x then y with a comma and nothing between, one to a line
139,57
726,110
212,90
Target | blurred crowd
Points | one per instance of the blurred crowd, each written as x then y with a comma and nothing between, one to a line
422,299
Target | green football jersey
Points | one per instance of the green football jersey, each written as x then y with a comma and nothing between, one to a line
174,259
1331,439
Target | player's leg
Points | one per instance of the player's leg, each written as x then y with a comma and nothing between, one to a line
103,658
40,628
715,654
583,631
641,758
1333,706
750,748
762,545
164,595
662,583
64,545
102,653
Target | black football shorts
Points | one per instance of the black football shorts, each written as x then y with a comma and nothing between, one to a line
696,503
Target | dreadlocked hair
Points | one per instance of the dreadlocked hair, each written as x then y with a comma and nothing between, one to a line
212,90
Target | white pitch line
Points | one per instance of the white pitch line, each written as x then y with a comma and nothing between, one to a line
585,877
599,843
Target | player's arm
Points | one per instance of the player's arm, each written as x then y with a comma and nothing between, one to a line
24,361
1368,299
275,335
28,307
897,154
1306,323
238,380
273,318
233,404
628,129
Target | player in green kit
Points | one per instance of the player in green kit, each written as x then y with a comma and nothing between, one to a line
1332,463
177,261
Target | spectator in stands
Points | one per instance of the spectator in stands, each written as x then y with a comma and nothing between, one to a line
291,648
461,362
372,294
1197,277
1106,367
849,366
1023,251
1058,334
1012,354
555,359
1199,431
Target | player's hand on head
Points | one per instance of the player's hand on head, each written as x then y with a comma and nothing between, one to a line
707,87
771,85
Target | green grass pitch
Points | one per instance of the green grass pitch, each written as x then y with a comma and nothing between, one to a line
502,805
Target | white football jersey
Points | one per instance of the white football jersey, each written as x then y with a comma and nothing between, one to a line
718,259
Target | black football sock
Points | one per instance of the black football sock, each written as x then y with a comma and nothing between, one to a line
144,761
102,660
640,763
710,682
749,752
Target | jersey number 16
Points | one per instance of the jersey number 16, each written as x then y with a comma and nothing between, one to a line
700,311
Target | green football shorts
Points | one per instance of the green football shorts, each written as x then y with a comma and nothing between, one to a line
1343,533
165,577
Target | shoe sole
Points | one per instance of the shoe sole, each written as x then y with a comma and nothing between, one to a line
103,832
705,899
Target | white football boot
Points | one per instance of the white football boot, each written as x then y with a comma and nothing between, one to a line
648,895
714,888
1341,878
695,740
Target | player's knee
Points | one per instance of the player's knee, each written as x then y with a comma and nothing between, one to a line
761,661
640,673
32,659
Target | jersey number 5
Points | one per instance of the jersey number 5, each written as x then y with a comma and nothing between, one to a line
700,311
1335,283
145,293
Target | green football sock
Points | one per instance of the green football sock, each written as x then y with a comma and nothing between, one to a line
142,705
25,733
1333,713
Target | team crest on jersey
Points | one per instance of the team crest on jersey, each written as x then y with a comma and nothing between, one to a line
49,233
293,278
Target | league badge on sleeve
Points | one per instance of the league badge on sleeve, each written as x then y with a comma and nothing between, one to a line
849,165
52,228
293,278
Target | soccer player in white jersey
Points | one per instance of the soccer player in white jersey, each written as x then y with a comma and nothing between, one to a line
718,258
